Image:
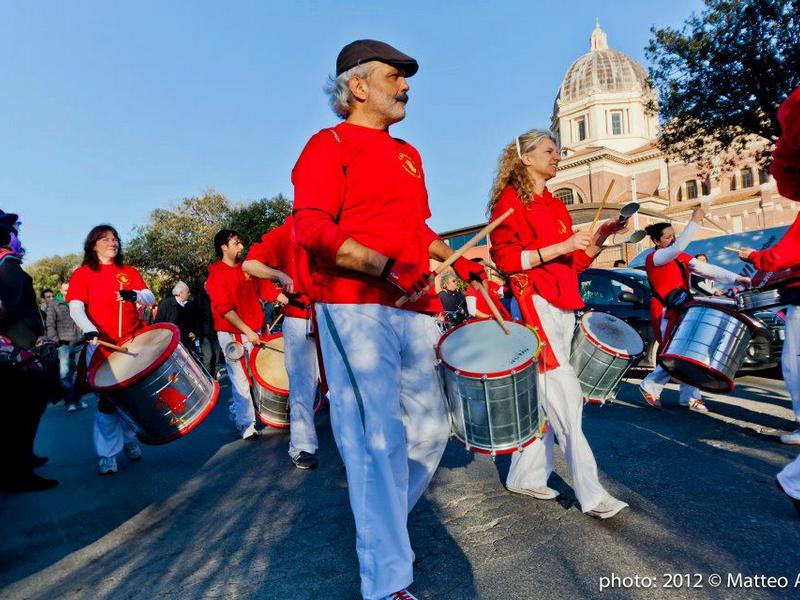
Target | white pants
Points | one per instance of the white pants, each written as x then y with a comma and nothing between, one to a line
301,366
561,399
790,358
790,478
242,412
392,451
655,382
110,432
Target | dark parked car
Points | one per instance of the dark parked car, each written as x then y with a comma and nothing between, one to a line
625,293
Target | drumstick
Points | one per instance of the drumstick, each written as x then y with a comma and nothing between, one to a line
115,347
481,287
459,253
275,322
119,322
602,205
732,248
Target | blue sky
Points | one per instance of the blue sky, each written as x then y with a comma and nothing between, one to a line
110,109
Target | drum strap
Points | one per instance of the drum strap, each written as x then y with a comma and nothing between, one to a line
337,341
524,295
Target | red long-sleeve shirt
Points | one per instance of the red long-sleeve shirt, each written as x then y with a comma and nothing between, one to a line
544,222
786,156
361,183
785,253
279,249
230,288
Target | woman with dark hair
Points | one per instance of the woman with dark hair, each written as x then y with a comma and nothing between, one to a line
668,269
96,289
537,246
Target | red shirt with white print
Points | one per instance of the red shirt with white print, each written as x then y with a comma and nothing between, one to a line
230,288
361,183
278,249
98,292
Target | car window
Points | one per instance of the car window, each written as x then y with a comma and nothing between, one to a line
597,289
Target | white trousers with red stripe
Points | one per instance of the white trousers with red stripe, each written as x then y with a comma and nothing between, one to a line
110,432
390,423
301,366
561,399
790,358
242,412
790,478
654,383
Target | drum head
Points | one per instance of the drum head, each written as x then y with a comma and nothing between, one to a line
267,364
612,333
481,348
147,350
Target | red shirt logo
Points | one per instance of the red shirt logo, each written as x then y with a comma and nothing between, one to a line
408,165
123,278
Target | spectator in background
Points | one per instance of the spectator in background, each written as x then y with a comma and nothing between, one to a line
47,297
209,346
476,303
453,301
63,330
619,263
179,309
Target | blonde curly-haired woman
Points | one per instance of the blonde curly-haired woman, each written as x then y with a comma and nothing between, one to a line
537,245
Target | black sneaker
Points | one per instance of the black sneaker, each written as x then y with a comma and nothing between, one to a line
304,460
38,461
28,483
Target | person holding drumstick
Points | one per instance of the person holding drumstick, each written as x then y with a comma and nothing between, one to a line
278,249
360,210
538,247
668,271
238,317
102,298
784,254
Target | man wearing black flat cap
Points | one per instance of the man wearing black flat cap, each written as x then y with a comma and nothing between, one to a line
360,211
24,397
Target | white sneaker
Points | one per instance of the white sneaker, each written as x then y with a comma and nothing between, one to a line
108,465
697,405
792,439
249,432
72,407
133,450
540,493
607,508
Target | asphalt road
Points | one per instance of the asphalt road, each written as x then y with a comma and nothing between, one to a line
210,516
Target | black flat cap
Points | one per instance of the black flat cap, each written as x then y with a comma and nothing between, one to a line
9,218
361,51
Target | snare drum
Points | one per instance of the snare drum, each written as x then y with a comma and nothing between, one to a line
490,385
708,346
271,383
748,300
157,386
603,349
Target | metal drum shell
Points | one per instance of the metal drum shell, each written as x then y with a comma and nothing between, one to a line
267,395
588,356
472,424
749,300
137,399
708,346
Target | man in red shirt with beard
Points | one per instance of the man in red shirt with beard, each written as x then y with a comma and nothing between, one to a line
360,209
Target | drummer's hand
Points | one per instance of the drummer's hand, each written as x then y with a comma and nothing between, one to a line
744,253
469,270
126,296
698,213
285,282
91,338
613,226
745,281
253,338
580,240
282,299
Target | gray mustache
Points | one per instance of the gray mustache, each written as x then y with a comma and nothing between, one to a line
402,98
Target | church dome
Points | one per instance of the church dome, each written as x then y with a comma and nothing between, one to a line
601,70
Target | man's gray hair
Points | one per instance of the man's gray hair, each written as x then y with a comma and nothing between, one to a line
179,287
338,89
448,276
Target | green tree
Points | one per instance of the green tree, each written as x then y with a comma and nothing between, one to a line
256,218
52,271
722,76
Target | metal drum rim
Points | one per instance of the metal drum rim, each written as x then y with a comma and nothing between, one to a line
495,374
727,380
728,310
510,450
600,344
100,356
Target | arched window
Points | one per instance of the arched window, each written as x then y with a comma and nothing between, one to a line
747,177
763,176
566,195
680,194
691,189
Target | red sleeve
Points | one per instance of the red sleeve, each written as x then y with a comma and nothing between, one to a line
221,295
137,281
429,235
264,251
267,290
78,286
318,179
507,247
582,261
785,253
786,156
